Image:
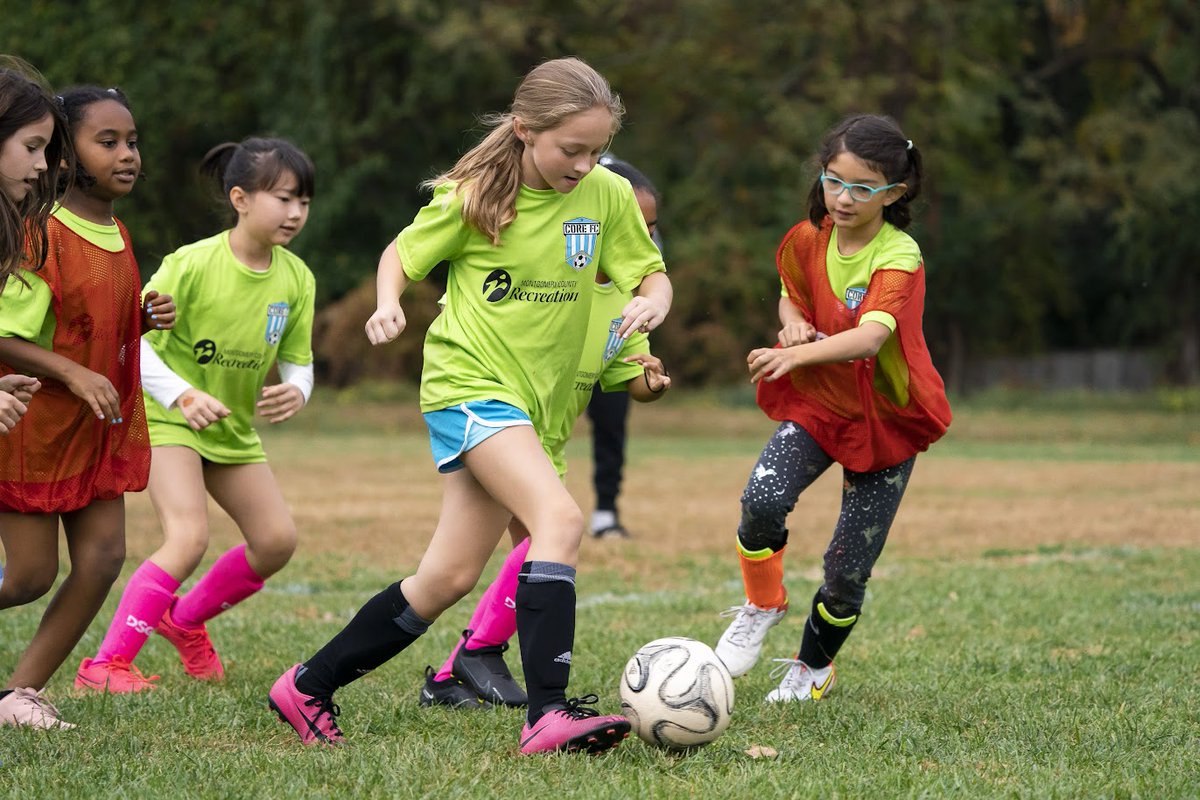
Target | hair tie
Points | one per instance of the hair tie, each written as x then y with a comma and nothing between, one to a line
909,144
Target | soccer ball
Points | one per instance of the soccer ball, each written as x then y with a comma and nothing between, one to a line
676,693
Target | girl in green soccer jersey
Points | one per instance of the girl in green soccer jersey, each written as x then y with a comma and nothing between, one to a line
33,144
525,221
475,672
245,302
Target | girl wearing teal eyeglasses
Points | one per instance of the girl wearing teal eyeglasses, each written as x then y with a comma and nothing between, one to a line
850,381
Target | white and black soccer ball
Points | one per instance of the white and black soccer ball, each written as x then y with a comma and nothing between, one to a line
676,693
580,260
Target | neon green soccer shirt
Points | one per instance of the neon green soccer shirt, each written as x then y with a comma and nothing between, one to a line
517,314
232,323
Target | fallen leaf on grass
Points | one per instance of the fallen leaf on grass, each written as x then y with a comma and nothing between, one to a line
762,751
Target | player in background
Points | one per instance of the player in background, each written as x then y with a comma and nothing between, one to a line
850,381
609,411
76,324
475,672
524,219
246,302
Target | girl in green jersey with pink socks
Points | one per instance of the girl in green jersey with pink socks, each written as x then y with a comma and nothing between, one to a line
245,302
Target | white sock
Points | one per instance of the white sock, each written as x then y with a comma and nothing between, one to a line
602,519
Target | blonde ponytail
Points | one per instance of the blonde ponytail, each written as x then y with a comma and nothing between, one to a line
489,174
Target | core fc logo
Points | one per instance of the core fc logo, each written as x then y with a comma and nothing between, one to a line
496,285
854,296
582,235
277,314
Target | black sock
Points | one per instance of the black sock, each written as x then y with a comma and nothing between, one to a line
5,693
546,629
825,633
381,629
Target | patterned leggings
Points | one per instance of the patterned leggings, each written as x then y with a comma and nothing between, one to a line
789,464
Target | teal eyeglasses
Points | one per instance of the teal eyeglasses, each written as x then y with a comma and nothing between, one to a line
859,192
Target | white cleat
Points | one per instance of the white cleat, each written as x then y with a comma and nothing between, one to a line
742,641
800,681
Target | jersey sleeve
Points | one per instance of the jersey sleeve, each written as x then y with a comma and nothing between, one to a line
25,311
296,344
436,234
893,278
628,253
167,279
619,372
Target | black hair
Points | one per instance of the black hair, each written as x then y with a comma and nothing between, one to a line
75,102
26,100
878,141
630,173
257,164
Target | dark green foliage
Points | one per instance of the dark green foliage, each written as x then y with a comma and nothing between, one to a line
1060,139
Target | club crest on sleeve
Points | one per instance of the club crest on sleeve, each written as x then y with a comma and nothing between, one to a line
855,296
277,314
614,340
581,234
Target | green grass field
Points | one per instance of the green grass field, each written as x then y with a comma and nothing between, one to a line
1033,628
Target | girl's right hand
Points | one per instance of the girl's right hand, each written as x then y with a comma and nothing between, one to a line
11,411
385,324
97,391
200,409
795,333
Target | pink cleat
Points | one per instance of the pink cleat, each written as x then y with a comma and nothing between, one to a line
114,677
574,728
196,651
313,718
28,709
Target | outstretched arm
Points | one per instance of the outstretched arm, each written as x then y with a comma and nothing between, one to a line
390,282
770,363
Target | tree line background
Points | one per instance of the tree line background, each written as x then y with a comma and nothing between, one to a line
1061,138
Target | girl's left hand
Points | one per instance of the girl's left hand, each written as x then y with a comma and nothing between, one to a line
656,376
770,363
158,312
280,402
641,315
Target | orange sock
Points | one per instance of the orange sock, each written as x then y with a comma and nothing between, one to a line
762,573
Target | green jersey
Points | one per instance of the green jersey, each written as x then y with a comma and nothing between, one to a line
233,323
516,314
602,362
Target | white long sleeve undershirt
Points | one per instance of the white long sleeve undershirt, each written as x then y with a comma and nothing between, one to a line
165,386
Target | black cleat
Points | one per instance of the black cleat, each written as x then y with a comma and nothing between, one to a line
484,672
450,692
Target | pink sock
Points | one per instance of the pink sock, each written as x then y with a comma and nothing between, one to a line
229,582
147,595
495,619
